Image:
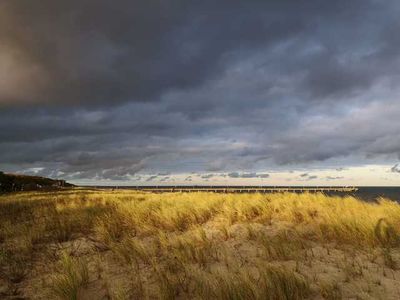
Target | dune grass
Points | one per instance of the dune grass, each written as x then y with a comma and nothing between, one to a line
71,277
133,245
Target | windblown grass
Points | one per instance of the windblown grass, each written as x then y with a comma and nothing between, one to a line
72,276
266,282
199,245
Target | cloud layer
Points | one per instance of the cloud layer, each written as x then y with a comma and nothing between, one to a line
98,90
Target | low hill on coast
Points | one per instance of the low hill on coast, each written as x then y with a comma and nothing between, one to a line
16,182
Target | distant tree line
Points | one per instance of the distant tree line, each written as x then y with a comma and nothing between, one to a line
15,183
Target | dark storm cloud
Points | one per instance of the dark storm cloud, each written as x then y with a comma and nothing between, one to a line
164,173
151,178
80,51
94,89
247,175
306,176
83,51
334,177
207,176
395,168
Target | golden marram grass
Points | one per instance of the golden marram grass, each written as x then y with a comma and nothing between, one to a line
102,244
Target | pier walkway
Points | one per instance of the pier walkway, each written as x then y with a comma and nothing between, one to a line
242,189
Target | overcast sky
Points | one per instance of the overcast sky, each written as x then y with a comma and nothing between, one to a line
151,92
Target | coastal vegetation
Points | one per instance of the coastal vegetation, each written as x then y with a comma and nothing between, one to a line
103,244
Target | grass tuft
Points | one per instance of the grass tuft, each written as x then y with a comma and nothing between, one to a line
72,276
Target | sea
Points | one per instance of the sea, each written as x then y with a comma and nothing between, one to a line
371,193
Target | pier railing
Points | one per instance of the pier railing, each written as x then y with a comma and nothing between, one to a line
244,189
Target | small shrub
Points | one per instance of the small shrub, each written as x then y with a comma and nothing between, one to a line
131,250
331,291
73,275
386,234
278,283
269,283
388,259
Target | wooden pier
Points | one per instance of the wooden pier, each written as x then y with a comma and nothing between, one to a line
243,189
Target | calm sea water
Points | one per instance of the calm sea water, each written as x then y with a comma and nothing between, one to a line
374,193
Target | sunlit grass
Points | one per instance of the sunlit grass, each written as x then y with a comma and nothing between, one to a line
194,245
